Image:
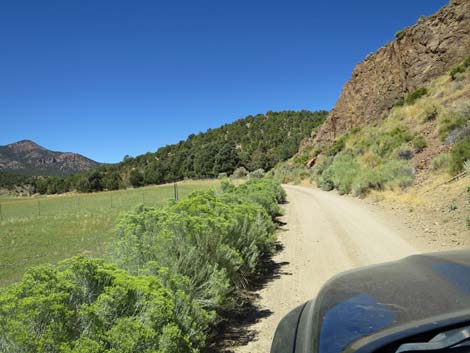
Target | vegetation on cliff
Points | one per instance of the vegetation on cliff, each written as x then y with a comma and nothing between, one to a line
428,131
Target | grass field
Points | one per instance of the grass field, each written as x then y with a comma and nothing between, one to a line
47,229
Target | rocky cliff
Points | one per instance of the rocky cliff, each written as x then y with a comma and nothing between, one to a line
419,54
28,158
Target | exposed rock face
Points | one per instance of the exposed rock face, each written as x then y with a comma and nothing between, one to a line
419,54
28,158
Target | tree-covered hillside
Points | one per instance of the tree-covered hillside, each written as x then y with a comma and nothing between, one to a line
255,142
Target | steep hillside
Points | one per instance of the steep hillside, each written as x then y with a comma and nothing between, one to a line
416,160
418,55
28,158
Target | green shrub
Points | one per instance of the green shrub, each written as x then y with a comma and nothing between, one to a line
441,161
342,172
393,173
397,173
454,71
181,265
287,173
336,147
385,142
368,179
419,143
85,305
458,155
414,96
450,123
214,239
239,173
457,69
257,174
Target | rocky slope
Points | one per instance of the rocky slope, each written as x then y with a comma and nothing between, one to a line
418,55
28,158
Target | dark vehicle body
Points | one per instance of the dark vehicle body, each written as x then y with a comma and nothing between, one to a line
381,307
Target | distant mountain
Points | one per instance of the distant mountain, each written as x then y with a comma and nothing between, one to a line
28,158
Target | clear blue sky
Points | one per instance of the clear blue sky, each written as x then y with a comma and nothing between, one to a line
109,78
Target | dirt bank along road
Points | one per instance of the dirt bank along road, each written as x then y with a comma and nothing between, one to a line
325,234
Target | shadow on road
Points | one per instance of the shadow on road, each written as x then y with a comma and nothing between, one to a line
235,330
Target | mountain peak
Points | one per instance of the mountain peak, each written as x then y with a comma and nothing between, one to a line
25,145
26,157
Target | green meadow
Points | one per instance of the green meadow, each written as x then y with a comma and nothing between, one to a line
47,229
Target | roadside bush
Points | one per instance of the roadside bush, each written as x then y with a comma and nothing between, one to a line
391,173
181,265
265,192
287,173
343,172
396,173
414,96
458,155
366,180
322,163
325,181
214,239
85,305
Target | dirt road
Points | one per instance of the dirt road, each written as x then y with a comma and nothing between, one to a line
325,234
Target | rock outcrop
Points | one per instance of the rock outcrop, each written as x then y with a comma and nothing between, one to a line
418,55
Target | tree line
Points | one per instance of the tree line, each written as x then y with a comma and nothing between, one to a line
254,142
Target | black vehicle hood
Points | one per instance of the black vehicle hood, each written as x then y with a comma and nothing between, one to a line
364,309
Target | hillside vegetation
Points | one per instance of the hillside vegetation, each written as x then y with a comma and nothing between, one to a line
255,142
428,131
178,268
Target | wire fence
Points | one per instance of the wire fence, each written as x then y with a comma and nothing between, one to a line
122,200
